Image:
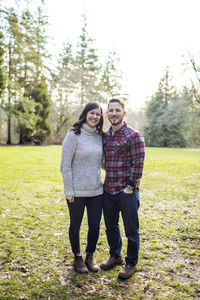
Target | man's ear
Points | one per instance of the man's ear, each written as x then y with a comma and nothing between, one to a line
124,113
107,112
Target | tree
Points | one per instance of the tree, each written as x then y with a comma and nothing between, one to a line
164,126
25,41
40,42
24,112
62,86
29,78
192,116
3,115
191,96
87,68
42,109
111,78
2,73
14,49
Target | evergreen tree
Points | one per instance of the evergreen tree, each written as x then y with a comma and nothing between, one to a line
3,115
28,67
87,68
42,110
24,112
62,91
13,42
25,42
2,73
40,42
190,98
194,106
164,128
111,77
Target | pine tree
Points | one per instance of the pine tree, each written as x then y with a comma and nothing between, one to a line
40,42
2,73
28,67
25,42
87,68
111,78
13,41
42,110
62,91
3,115
163,127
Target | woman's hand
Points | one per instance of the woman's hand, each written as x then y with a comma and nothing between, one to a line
71,199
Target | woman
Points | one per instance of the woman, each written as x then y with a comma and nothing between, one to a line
80,166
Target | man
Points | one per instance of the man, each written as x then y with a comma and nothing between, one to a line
124,152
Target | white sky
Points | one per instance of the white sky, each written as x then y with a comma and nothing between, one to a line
148,36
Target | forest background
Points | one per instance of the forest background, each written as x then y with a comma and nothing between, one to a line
40,99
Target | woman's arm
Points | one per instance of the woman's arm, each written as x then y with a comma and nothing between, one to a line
68,151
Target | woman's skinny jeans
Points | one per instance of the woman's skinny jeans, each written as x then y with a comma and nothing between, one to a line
94,207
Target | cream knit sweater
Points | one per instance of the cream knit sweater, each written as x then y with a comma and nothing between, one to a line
81,163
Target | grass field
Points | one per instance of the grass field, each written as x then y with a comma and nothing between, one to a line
35,254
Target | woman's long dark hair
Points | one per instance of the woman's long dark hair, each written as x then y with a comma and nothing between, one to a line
82,118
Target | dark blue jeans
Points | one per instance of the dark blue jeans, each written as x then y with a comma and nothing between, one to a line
94,207
128,205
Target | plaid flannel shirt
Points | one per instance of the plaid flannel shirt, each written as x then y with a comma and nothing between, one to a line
124,152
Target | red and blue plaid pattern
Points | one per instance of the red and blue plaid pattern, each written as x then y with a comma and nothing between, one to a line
124,152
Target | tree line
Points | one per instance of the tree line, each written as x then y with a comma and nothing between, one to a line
42,99
172,115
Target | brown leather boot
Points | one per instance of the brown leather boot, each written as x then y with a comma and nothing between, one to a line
127,272
91,263
80,265
111,262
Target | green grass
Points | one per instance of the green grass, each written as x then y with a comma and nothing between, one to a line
35,254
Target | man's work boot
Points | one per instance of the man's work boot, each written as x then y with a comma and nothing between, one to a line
91,263
111,262
80,265
127,272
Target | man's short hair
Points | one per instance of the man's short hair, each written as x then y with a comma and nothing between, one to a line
117,100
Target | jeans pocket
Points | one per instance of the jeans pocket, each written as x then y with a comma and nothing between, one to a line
126,195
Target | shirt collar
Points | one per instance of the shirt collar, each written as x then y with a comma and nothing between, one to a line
120,130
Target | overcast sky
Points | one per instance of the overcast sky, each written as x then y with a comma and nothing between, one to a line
148,36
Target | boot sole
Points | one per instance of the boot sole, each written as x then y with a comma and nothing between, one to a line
124,278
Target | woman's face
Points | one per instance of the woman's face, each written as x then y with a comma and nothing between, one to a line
93,117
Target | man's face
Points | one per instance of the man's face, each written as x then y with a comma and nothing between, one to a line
115,113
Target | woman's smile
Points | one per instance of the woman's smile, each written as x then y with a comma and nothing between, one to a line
93,117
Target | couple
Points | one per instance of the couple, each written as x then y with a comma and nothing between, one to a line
123,152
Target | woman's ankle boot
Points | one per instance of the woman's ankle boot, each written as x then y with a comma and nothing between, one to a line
91,263
79,264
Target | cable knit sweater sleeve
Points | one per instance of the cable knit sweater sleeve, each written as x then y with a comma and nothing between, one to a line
68,151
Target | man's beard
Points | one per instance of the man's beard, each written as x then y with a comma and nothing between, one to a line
115,122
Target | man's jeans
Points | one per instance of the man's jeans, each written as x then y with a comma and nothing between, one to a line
94,207
128,204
